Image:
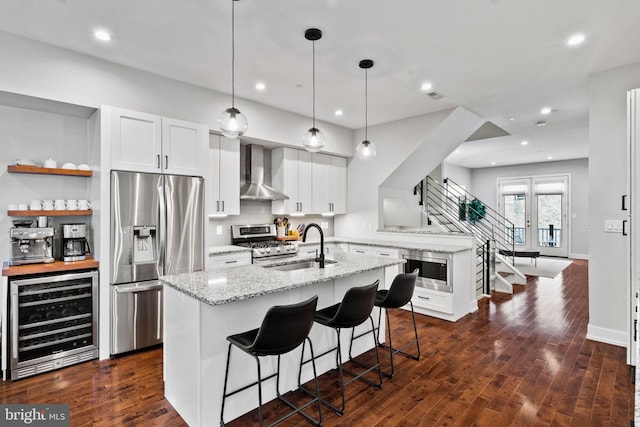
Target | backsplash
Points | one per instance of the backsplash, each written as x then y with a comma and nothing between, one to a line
258,212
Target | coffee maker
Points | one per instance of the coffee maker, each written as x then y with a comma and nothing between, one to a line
30,245
75,246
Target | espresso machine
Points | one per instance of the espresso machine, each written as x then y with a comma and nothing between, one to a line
75,246
30,245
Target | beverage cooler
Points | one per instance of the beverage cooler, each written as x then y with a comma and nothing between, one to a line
52,322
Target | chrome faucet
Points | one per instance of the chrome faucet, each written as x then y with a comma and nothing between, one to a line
320,258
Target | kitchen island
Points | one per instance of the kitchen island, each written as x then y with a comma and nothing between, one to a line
203,308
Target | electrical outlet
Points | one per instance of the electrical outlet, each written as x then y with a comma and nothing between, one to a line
324,225
369,227
219,230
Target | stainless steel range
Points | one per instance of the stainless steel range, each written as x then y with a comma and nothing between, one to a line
262,239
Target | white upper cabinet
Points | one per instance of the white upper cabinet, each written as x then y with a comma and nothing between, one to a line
224,176
143,142
329,178
184,147
291,174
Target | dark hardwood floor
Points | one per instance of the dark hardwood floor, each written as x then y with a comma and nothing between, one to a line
520,360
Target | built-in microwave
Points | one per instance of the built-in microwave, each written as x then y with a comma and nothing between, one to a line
434,269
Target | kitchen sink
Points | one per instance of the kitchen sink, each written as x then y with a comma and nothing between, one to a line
301,265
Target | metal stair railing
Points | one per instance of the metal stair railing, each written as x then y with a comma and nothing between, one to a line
449,205
491,224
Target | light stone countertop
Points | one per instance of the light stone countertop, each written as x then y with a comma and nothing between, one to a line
226,249
225,285
396,244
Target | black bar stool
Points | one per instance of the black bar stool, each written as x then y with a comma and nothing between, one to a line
283,329
355,308
398,295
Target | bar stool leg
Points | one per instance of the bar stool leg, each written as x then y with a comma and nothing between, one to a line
224,389
392,350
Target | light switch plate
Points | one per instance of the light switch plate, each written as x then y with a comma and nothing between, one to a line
324,225
219,230
613,226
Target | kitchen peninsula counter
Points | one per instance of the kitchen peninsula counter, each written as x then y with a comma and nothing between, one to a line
396,244
203,308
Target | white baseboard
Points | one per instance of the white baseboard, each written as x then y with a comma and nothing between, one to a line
579,256
608,336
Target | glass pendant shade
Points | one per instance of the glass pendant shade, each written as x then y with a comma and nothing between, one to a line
366,150
232,123
313,140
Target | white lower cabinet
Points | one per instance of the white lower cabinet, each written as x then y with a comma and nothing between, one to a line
433,300
389,272
228,260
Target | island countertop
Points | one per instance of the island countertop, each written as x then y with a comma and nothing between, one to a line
225,285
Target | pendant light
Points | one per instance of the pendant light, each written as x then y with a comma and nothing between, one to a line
313,139
366,150
231,121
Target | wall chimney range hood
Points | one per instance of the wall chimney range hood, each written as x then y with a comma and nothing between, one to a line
255,188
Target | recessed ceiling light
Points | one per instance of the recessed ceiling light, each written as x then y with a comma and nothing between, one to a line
102,35
512,118
493,163
524,142
339,112
260,86
545,110
541,123
549,158
575,40
299,86
458,151
426,86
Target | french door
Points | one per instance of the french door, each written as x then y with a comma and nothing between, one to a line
538,208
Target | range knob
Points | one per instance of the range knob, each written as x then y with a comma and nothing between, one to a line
268,250
278,249
261,251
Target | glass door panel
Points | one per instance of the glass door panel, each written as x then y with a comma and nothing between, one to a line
515,208
550,216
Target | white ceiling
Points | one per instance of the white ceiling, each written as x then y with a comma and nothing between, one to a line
497,58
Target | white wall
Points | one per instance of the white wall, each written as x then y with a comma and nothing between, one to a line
608,261
484,186
460,175
40,70
34,135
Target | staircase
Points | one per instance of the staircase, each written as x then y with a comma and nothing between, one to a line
455,210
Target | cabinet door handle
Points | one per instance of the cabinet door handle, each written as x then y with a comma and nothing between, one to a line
384,254
624,228
421,297
217,205
231,262
358,251
624,202
158,161
223,206
166,162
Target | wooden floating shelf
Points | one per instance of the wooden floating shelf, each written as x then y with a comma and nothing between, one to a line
48,171
87,212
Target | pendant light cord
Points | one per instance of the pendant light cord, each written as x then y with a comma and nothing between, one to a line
366,104
233,55
314,83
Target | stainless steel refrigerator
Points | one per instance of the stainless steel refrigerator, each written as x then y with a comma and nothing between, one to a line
156,229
